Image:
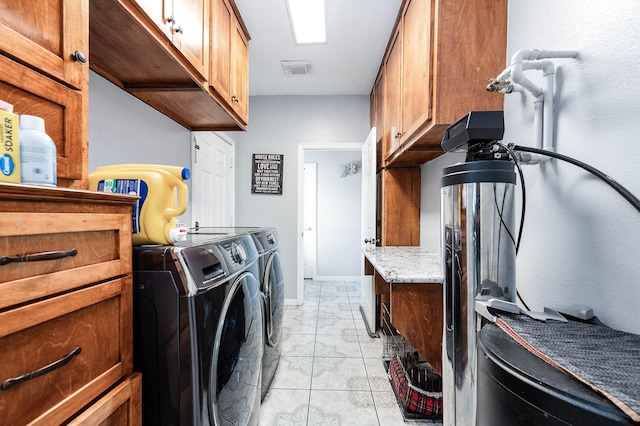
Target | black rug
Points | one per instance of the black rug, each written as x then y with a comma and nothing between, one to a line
607,360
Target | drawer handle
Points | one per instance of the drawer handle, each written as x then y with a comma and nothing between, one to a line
9,383
50,255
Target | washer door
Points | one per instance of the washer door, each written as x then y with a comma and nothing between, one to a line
273,290
235,375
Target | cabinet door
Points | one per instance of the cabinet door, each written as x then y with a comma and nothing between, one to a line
191,32
64,112
379,111
44,35
416,66
220,59
377,115
186,24
160,12
416,312
392,96
239,72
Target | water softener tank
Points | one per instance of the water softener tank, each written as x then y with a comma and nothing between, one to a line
478,247
163,197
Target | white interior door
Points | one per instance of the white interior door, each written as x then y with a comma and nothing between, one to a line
213,200
310,219
368,225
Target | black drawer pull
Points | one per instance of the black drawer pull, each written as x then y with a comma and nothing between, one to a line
49,255
9,383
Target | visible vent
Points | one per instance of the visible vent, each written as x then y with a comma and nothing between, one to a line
296,67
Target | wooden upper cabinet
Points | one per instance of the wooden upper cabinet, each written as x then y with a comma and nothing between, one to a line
392,95
229,68
160,12
185,23
42,74
45,35
191,32
416,61
240,72
377,114
220,67
160,53
436,67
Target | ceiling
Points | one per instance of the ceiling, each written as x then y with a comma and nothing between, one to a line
357,36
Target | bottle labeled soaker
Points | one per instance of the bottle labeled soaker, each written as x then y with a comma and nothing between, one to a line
37,153
163,197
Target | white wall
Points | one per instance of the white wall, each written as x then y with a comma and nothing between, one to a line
125,130
338,215
581,239
277,125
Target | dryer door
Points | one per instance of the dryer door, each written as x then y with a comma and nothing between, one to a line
235,375
273,289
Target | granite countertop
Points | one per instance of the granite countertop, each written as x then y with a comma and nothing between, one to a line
405,264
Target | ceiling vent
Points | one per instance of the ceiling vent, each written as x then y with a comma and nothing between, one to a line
296,67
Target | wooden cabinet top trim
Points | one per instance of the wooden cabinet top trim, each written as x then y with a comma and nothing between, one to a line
16,192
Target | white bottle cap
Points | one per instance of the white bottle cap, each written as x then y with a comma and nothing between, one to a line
178,234
32,122
6,106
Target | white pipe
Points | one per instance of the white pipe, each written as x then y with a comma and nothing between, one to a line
518,77
504,75
544,114
538,109
548,72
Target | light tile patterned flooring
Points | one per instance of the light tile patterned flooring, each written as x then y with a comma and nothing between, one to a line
330,371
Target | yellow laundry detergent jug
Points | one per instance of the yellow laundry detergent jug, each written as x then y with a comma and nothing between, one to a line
163,197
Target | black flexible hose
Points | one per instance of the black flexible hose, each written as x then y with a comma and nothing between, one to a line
632,199
523,190
522,212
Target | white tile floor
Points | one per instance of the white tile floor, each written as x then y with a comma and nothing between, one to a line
331,371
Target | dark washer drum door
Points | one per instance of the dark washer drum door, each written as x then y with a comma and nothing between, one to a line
273,289
235,378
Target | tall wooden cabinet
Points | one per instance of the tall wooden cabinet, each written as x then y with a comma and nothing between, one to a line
66,307
433,72
44,72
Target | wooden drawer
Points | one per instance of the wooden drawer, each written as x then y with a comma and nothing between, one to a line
102,243
120,407
97,320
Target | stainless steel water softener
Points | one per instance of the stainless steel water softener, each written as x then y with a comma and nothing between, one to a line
478,250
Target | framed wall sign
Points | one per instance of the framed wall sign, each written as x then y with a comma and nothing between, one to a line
266,174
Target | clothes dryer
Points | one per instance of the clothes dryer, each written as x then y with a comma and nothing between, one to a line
272,289
198,331
271,283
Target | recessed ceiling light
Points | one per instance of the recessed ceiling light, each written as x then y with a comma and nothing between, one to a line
307,21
